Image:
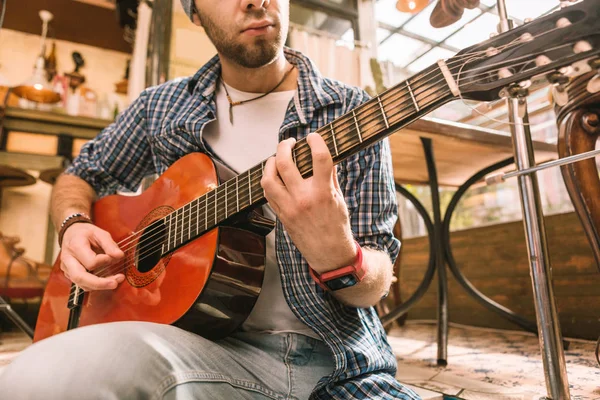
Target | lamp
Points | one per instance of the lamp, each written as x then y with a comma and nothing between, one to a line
36,88
411,6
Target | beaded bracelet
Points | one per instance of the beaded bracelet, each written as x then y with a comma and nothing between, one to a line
70,220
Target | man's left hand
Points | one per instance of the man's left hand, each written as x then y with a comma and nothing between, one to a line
312,210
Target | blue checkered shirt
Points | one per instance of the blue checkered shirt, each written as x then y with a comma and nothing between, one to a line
166,122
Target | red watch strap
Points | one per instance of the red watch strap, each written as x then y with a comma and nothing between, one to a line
355,269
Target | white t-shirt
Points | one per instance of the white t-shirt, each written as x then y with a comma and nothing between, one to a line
253,137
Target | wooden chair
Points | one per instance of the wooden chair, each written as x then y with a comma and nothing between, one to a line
579,129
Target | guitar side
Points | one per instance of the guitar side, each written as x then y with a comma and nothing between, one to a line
207,286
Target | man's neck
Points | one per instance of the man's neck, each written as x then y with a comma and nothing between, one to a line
259,80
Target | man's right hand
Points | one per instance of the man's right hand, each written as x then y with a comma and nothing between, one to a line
86,249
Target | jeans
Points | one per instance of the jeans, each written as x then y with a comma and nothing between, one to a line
141,360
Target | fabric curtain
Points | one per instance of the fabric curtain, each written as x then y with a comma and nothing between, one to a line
334,60
137,68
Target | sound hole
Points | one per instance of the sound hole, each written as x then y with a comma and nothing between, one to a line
149,248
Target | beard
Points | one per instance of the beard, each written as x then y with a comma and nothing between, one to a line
261,52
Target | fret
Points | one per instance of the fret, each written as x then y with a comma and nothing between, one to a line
175,235
237,194
294,156
182,225
249,186
357,127
174,228
169,231
189,221
226,207
387,125
206,211
215,207
412,96
197,201
334,139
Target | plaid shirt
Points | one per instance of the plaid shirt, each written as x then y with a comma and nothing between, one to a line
166,122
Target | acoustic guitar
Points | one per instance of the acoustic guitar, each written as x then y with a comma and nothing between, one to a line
193,242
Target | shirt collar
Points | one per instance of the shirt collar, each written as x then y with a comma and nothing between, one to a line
312,94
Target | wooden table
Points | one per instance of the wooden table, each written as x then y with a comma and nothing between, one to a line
460,151
464,155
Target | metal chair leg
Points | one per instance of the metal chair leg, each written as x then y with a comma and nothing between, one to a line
16,318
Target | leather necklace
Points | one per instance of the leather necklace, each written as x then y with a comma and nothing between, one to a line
237,103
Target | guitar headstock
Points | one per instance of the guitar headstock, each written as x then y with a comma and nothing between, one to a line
548,50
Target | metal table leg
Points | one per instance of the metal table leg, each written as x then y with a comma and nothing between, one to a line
424,285
468,286
442,328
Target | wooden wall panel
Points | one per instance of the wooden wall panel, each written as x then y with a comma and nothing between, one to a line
494,258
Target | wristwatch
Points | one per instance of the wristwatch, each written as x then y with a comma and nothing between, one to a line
342,277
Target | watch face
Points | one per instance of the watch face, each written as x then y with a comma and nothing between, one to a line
342,282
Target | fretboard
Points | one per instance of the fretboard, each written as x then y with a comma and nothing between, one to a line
347,135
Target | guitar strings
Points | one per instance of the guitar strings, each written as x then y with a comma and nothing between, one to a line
299,150
367,133
455,60
142,256
299,157
304,151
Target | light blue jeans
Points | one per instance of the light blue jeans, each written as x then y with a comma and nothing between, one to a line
140,360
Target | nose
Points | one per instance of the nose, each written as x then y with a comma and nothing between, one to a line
254,4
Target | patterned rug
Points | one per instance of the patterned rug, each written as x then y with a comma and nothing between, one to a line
488,364
483,364
10,345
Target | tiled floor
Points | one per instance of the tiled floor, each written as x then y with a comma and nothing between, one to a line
488,364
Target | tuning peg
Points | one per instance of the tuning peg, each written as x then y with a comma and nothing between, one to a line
525,84
491,51
567,3
582,46
559,89
560,95
504,73
526,37
562,22
542,60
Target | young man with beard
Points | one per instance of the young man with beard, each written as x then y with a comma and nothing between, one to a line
254,99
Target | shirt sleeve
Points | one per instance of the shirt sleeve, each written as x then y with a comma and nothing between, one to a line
367,181
119,156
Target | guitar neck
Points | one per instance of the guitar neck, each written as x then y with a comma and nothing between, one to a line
347,135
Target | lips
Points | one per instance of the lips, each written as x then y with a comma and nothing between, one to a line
256,26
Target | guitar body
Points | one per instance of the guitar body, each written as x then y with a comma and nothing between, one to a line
207,286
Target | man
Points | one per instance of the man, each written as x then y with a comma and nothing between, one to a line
304,338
